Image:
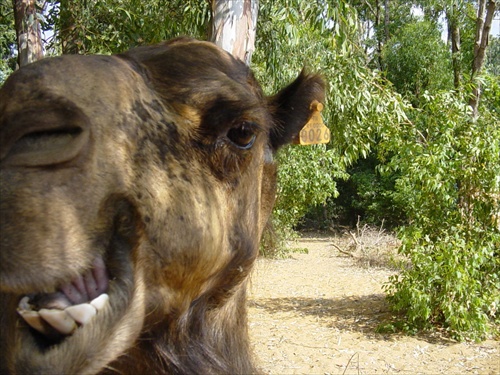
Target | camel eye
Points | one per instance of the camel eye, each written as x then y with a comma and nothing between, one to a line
243,136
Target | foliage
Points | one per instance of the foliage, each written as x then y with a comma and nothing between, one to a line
7,41
375,31
306,178
467,14
111,26
414,68
368,196
449,182
358,106
491,93
492,64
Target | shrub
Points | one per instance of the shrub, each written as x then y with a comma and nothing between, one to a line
450,184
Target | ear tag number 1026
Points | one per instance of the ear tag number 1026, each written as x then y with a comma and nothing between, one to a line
315,131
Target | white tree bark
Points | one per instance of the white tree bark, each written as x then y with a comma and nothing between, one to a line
29,37
234,25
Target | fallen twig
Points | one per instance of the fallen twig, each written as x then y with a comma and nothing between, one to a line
343,251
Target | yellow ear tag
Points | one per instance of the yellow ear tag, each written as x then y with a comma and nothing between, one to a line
315,131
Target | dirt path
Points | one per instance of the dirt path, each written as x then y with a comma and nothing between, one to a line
316,314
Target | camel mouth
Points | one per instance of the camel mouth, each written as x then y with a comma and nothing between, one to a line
89,308
91,313
58,314
76,315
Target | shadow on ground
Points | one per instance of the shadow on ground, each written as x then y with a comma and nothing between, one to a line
360,313
354,313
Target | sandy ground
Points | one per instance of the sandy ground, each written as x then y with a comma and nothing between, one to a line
316,313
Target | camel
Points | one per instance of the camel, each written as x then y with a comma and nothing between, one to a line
134,189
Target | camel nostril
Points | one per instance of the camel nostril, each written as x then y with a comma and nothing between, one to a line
47,147
45,133
42,139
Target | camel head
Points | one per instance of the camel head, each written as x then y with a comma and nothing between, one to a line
134,190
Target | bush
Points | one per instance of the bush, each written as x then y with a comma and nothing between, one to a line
366,195
450,186
306,177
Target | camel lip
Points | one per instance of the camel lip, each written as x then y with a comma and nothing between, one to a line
37,282
87,286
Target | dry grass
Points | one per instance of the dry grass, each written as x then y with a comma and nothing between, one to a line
370,247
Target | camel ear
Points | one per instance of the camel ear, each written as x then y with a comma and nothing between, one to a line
291,107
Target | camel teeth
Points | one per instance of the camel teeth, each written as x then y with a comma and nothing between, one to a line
24,304
59,320
81,313
34,320
100,302
63,321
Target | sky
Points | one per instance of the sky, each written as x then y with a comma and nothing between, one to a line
495,24
495,27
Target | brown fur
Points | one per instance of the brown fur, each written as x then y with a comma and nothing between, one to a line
140,158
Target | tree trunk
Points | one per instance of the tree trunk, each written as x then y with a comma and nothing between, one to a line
67,34
386,21
454,35
29,35
483,26
379,37
234,24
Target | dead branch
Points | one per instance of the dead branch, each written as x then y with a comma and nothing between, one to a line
343,251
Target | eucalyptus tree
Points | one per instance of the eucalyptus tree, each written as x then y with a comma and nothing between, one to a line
29,36
417,68
233,26
485,12
111,26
